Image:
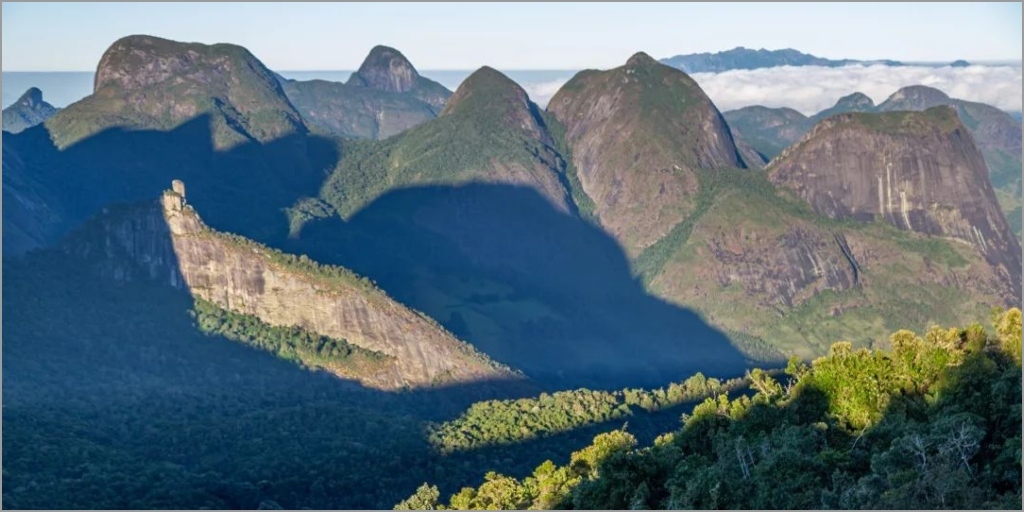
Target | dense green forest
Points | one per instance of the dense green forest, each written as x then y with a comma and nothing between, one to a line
934,422
137,396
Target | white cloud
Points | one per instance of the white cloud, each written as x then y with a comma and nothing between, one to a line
811,89
541,92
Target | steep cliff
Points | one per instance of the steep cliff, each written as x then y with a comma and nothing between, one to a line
637,132
781,279
28,111
386,69
385,97
169,242
996,133
919,171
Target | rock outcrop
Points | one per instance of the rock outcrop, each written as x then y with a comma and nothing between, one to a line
28,111
149,82
167,241
637,132
385,97
386,69
919,171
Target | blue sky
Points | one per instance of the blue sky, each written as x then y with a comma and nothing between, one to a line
319,36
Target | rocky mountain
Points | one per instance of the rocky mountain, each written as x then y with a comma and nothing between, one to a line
168,242
997,134
919,171
31,213
767,130
637,133
489,131
149,82
384,97
747,58
152,98
28,111
856,102
478,218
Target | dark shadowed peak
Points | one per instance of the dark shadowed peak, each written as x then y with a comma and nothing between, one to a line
486,88
386,69
640,59
915,97
28,111
32,97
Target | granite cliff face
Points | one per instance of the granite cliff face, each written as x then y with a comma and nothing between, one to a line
385,97
996,133
919,171
386,69
168,242
637,132
149,82
27,112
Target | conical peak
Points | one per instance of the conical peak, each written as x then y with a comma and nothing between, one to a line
32,97
640,59
486,87
386,69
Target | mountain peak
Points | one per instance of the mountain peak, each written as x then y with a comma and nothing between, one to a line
386,69
486,88
137,61
857,99
915,97
32,97
640,59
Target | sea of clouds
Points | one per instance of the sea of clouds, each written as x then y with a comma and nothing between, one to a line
811,89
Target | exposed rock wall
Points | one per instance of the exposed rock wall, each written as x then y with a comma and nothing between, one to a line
636,133
170,243
919,171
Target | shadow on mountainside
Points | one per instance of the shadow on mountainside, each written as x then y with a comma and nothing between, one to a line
240,190
533,287
113,399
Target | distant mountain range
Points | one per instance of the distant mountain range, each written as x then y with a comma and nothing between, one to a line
747,58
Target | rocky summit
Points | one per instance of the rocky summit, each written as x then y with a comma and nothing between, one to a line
28,111
637,133
919,171
386,96
149,82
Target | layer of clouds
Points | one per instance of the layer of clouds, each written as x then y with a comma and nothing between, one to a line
810,89
541,92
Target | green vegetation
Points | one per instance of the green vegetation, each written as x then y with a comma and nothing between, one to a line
753,185
293,344
327,274
904,121
584,204
452,149
933,423
511,421
305,210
